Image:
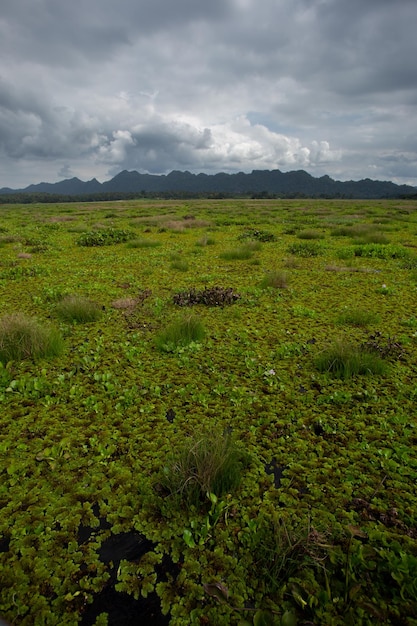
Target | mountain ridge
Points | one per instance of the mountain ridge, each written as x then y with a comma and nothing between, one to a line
255,183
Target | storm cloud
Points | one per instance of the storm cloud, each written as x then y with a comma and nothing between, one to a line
92,87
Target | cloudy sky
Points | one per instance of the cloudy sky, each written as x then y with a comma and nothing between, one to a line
91,87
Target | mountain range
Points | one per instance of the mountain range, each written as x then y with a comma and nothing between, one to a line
257,183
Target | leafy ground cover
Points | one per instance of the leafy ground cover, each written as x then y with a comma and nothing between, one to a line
317,524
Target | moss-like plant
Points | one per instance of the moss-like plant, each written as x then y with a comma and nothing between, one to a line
77,309
180,333
343,360
23,337
277,279
208,462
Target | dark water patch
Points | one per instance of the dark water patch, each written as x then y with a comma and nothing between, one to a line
4,544
130,546
123,610
276,470
170,415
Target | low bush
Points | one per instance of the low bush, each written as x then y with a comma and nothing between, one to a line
23,337
305,249
180,333
381,251
209,462
344,360
257,235
77,309
104,237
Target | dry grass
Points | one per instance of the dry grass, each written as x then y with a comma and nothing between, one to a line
125,303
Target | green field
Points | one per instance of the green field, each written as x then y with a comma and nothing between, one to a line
230,438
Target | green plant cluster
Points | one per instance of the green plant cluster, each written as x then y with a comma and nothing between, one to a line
258,235
104,237
247,464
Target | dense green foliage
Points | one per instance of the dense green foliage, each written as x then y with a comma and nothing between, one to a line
262,476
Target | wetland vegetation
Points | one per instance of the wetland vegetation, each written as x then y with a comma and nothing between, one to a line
209,413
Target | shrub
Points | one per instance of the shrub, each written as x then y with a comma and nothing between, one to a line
210,296
357,317
180,333
344,360
104,237
78,309
23,337
381,251
277,279
207,462
258,235
305,249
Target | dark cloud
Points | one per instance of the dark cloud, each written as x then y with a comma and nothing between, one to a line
90,87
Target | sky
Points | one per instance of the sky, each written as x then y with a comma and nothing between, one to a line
89,88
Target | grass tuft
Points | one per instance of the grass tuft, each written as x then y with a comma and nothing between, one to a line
180,333
208,462
277,279
143,243
357,317
241,253
344,360
23,337
76,309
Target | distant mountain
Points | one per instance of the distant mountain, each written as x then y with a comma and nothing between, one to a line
257,183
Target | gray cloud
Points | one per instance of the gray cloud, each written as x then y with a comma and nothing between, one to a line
90,88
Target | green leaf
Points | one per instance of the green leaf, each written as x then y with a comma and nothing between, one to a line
288,619
188,538
263,618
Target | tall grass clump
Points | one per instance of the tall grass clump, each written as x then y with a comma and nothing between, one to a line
78,310
343,360
241,253
208,462
205,241
310,233
276,279
23,337
143,243
180,333
357,317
